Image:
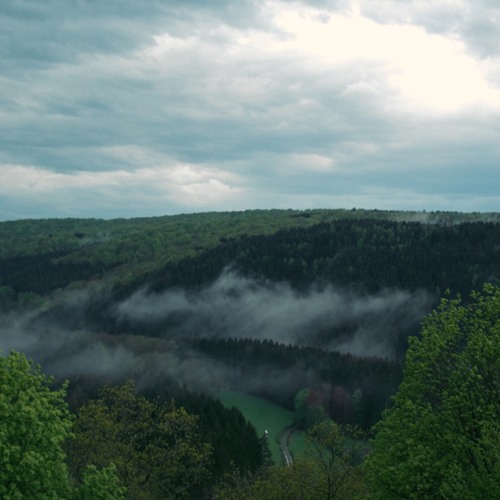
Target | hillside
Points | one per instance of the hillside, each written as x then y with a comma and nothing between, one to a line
40,256
266,301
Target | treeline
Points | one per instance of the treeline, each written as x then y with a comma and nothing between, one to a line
44,255
362,255
278,371
365,254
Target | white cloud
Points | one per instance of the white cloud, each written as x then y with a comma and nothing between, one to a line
202,187
400,65
179,184
312,162
432,73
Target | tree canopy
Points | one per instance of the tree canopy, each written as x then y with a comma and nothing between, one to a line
328,469
156,448
441,439
34,423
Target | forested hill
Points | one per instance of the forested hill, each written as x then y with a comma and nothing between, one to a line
366,254
266,302
374,249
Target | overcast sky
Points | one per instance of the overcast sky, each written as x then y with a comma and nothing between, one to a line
124,108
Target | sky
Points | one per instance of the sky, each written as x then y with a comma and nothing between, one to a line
125,108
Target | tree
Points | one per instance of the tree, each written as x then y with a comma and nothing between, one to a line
100,485
358,407
309,410
300,407
336,452
34,423
329,469
155,447
441,438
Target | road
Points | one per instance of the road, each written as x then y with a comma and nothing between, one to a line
284,440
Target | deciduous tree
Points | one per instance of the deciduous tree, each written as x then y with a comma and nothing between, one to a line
156,448
34,423
441,439
328,470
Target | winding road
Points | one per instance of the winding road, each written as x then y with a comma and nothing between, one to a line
284,440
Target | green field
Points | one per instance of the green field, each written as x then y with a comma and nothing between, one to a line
263,415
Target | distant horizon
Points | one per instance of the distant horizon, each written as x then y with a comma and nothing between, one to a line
352,209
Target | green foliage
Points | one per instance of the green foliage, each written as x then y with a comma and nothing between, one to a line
100,485
441,439
308,409
34,423
224,428
328,470
337,454
375,379
235,485
44,255
299,403
373,254
156,448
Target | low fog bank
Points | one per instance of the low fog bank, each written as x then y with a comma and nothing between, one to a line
233,306
109,358
161,365
236,306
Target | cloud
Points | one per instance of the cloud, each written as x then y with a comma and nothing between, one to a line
179,185
431,73
474,23
231,307
270,102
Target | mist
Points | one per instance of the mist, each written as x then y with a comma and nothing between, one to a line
233,306
242,307
149,362
108,358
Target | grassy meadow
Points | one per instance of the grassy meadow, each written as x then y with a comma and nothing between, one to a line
263,415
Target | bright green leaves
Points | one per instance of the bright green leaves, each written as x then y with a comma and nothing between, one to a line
34,423
441,439
120,439
100,485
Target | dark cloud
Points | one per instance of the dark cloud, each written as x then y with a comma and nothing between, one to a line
60,31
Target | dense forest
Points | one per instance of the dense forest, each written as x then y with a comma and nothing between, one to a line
270,302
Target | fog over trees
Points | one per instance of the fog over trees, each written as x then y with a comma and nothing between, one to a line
269,303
